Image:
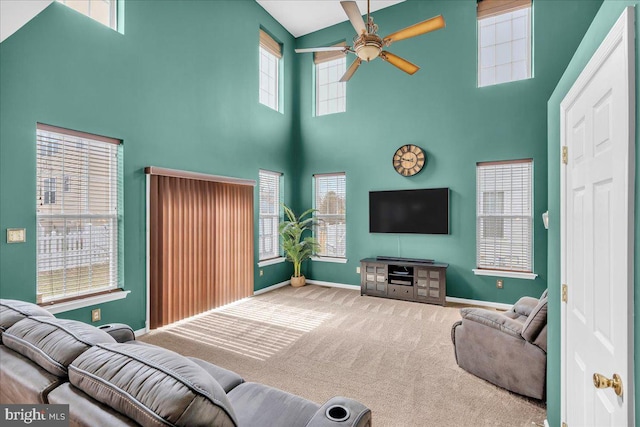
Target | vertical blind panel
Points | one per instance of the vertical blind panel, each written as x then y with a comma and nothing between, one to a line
505,216
201,246
77,187
330,202
269,216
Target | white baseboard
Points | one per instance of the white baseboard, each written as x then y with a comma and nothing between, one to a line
272,287
490,304
140,332
333,284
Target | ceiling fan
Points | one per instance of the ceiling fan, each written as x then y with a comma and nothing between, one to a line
368,45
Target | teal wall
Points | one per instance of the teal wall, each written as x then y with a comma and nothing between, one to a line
180,88
440,109
602,23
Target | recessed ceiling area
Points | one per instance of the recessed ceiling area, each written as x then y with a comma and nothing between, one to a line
302,17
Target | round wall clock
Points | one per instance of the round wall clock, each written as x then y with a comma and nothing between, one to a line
409,159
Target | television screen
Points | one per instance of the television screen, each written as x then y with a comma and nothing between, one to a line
424,211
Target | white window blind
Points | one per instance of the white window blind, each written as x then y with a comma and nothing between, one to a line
331,94
504,226
270,54
77,200
331,226
270,200
504,41
103,11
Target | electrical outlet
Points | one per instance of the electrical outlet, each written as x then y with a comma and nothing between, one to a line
261,273
358,270
499,284
95,315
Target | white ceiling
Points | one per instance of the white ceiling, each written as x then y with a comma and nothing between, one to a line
302,17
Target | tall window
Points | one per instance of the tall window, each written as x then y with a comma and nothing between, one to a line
331,202
78,198
331,94
270,199
270,54
505,215
504,41
103,11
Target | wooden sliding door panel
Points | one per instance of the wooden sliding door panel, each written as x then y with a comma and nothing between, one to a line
201,248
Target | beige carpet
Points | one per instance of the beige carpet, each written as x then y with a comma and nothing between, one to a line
396,357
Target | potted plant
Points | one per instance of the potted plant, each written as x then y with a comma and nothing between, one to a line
296,247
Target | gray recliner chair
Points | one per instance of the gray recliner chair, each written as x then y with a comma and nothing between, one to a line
508,349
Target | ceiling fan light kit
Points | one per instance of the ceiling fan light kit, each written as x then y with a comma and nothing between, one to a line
368,45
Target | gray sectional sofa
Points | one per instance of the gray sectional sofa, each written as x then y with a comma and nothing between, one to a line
109,379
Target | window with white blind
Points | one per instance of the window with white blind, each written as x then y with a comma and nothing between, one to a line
78,213
330,216
270,202
504,41
103,11
331,94
270,55
505,216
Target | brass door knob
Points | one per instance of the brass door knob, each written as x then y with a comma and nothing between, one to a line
600,381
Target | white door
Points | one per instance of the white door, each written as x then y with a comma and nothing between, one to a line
597,203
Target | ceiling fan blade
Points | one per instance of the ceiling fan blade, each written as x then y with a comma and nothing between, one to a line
352,69
322,49
420,28
395,60
352,11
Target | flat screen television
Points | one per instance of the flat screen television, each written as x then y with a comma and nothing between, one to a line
423,211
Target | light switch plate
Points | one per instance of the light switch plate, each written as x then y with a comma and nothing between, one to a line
16,235
95,315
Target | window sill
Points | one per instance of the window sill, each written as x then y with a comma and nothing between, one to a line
271,261
503,273
329,259
61,307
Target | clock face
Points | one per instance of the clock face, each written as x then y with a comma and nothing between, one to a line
408,160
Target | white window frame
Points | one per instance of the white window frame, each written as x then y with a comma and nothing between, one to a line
113,11
269,56
494,53
270,197
330,92
62,247
339,254
504,199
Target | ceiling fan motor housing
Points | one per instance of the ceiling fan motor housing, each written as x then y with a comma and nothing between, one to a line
367,46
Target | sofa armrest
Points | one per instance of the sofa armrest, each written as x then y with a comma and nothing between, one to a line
341,412
525,305
492,320
119,332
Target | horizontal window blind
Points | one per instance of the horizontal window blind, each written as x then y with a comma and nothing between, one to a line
487,8
505,215
331,225
320,57
270,200
78,188
268,43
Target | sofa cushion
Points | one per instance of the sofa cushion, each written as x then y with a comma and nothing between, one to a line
536,321
227,379
53,343
12,311
151,385
255,403
22,380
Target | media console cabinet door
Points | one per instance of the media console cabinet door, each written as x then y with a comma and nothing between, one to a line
430,285
373,279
